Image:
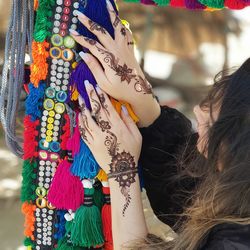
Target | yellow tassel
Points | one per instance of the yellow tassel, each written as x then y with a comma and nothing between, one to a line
102,176
74,96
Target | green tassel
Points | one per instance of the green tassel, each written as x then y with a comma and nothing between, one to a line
64,244
98,196
162,2
28,242
43,24
86,229
28,186
218,4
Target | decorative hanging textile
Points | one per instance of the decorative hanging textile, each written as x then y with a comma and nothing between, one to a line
208,5
65,194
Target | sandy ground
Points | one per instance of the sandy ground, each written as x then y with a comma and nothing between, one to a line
11,219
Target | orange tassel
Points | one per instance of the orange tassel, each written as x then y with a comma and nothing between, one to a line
39,67
102,176
107,221
28,210
36,4
118,107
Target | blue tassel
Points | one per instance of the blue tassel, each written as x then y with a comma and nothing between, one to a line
34,101
96,11
60,225
84,165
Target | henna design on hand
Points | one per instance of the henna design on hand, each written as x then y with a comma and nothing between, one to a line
111,143
85,126
123,71
117,20
124,170
142,85
97,27
90,41
123,31
96,110
103,102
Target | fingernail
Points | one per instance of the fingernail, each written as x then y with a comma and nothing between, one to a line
98,89
84,56
81,100
80,14
74,32
109,5
124,110
87,84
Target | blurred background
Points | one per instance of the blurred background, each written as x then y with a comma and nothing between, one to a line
181,51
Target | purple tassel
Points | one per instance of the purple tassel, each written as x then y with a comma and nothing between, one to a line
77,78
194,5
148,2
97,11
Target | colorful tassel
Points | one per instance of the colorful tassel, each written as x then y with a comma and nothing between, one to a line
66,191
102,176
30,133
162,2
66,132
28,186
84,165
106,219
177,3
146,2
73,143
43,24
86,230
60,225
76,83
34,101
218,4
235,4
28,242
96,11
194,5
39,67
98,197
28,210
118,106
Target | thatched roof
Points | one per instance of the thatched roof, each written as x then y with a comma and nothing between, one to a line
177,31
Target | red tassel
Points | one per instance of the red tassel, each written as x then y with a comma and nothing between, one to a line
235,4
106,220
177,3
66,190
66,135
29,135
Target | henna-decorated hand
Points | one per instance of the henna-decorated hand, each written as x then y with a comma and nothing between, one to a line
116,69
115,142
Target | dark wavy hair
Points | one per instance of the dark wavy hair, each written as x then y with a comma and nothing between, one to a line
223,194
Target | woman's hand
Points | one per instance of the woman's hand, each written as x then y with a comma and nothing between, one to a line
115,142
116,70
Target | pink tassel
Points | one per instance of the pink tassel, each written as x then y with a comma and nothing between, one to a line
30,133
73,143
66,190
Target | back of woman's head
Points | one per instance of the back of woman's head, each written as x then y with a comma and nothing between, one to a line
224,193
